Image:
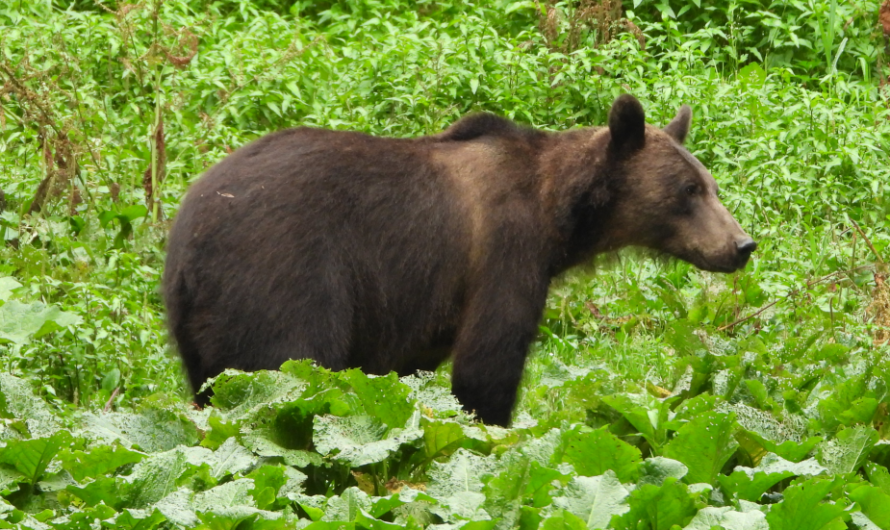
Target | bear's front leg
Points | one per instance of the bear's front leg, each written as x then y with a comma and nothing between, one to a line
493,341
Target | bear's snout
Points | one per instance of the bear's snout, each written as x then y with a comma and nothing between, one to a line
745,247
731,261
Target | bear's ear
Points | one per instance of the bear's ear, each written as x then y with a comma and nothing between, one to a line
627,123
678,128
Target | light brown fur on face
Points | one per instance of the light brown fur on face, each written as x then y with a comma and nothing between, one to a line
641,187
674,207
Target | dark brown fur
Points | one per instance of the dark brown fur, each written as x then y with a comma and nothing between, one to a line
392,254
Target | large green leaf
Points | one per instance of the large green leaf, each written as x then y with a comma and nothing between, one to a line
20,322
849,450
7,286
139,520
241,519
432,395
155,427
593,452
505,492
757,445
157,476
384,397
727,519
803,508
704,445
780,437
264,442
229,459
647,415
178,507
240,393
368,522
99,460
457,484
267,482
31,457
657,508
564,520
104,490
18,401
442,438
520,481
594,499
750,486
347,506
850,403
878,475
875,504
462,472
751,483
235,494
359,440
657,470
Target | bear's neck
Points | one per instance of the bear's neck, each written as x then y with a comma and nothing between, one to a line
580,187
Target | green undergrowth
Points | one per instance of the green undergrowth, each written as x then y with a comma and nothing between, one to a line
656,397
744,441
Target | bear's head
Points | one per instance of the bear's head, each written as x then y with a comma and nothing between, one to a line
668,200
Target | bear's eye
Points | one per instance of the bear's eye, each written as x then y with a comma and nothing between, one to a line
691,189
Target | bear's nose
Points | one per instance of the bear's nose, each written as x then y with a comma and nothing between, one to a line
746,246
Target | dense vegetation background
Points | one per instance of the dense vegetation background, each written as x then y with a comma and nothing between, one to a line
657,397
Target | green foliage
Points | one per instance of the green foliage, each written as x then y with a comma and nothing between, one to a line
21,322
613,454
658,396
704,445
804,508
658,507
31,457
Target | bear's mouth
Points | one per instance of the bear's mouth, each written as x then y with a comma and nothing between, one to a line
727,263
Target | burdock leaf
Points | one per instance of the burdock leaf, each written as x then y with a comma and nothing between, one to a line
875,504
750,487
593,452
7,286
462,472
98,461
878,476
20,322
751,483
648,420
384,397
157,476
358,440
347,506
658,469
657,508
594,499
31,457
727,519
442,438
704,445
803,508
849,450
564,520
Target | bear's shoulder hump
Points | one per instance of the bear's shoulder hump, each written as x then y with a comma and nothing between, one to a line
483,124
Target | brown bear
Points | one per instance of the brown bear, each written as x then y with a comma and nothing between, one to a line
394,254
